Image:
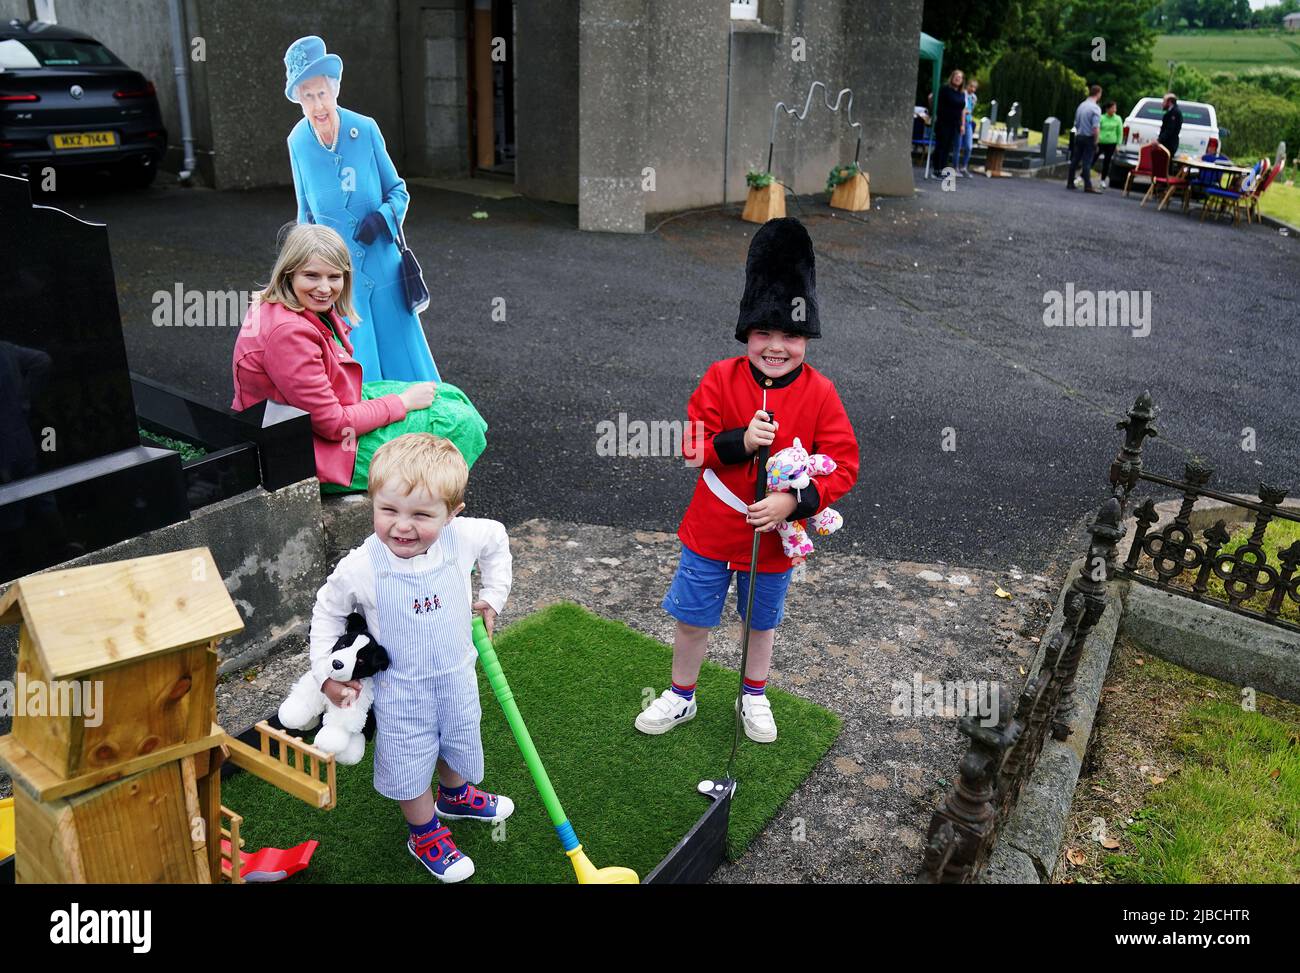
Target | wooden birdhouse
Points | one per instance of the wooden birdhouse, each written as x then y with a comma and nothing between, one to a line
117,663
115,749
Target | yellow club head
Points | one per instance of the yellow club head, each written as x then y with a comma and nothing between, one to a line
589,874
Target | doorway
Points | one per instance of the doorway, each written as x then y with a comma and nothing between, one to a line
491,45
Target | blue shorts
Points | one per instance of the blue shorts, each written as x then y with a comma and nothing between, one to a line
700,586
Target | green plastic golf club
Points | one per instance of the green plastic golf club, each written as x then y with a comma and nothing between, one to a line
588,874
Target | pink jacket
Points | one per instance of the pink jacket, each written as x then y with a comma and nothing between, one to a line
290,357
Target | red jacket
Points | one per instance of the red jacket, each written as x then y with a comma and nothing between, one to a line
290,357
719,411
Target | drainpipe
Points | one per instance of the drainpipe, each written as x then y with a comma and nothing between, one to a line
726,115
181,70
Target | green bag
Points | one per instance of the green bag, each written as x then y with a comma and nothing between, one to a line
452,416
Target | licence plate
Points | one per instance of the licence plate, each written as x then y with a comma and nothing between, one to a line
85,140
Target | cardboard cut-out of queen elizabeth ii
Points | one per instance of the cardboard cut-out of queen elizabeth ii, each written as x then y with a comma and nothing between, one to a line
345,179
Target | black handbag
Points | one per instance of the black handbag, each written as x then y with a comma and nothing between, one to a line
413,285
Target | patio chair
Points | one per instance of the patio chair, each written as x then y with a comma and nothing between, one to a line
1170,183
1160,177
1204,178
1219,199
1252,201
1144,164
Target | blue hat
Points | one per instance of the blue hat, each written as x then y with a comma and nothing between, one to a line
306,58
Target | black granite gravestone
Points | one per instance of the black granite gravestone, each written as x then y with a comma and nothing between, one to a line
73,475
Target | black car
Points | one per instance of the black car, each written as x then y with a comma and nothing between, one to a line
67,101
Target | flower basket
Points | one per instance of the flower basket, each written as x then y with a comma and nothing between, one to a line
850,188
766,199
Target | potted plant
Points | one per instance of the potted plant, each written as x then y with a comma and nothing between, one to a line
766,199
850,188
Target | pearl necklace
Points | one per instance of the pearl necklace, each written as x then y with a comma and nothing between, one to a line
338,126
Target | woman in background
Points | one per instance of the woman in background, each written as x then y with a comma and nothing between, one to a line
968,129
1110,129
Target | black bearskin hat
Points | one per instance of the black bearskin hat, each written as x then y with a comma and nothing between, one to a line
780,269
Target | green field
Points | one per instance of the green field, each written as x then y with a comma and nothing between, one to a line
1234,51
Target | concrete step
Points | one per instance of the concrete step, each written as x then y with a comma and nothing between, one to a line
346,520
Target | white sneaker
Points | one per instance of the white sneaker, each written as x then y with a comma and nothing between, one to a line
1105,184
666,712
756,714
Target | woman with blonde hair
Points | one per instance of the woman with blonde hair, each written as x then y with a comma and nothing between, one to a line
344,178
295,348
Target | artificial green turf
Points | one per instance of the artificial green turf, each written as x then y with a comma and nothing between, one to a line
579,682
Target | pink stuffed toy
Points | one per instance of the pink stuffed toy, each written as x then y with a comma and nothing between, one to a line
793,468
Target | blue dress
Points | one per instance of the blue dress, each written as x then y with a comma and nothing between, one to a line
339,189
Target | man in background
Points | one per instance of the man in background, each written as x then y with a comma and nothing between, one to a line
1171,126
1087,127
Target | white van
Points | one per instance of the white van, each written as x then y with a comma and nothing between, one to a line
1200,124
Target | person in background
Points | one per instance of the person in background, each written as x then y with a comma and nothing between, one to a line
967,129
1087,118
1171,126
1110,129
920,122
948,115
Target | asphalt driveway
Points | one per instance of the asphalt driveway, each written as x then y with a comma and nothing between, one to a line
933,316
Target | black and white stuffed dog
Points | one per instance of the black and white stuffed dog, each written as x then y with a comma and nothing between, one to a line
356,655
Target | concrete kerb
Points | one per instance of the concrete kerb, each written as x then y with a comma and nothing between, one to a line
1287,229
269,549
1029,843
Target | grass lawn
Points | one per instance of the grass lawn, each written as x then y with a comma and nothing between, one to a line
1036,138
1184,784
1234,51
1232,814
579,682
1282,201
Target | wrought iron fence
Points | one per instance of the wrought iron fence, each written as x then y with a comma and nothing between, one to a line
1172,559
1001,758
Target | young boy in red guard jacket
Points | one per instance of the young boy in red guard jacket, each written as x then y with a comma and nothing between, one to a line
765,397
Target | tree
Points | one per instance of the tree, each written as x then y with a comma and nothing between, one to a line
1190,84
1043,88
973,34
1108,42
